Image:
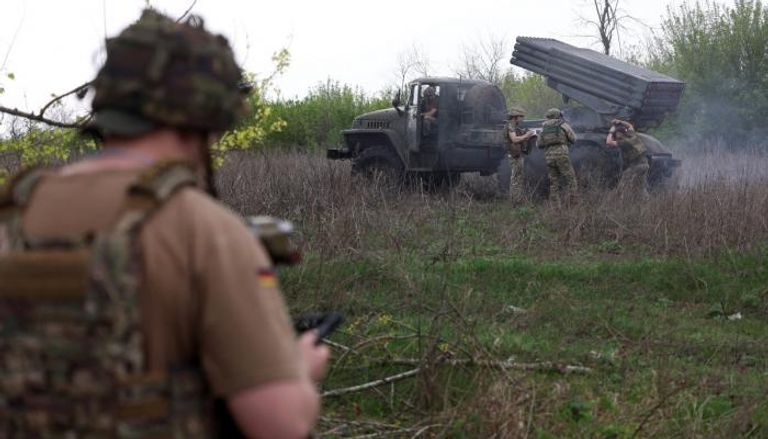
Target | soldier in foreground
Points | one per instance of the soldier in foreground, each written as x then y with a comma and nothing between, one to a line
555,139
132,303
518,138
634,177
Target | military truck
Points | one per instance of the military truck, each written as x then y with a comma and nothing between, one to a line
441,128
597,88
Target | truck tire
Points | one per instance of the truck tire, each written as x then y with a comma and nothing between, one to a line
503,176
379,164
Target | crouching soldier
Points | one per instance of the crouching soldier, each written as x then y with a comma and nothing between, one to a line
634,177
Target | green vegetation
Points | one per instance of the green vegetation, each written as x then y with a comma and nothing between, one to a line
530,92
317,119
484,305
665,358
720,51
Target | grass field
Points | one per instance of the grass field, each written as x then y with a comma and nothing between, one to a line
611,318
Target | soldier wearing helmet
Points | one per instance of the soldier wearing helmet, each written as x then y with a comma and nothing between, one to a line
634,177
555,139
518,139
175,308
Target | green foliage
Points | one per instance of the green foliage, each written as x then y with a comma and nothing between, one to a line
317,119
530,92
722,53
261,121
39,145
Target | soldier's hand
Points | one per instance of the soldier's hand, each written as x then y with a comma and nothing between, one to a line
315,356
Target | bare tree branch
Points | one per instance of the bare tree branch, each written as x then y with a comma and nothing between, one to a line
410,62
13,41
189,9
76,90
484,60
38,118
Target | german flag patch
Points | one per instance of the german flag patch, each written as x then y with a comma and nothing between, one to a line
266,278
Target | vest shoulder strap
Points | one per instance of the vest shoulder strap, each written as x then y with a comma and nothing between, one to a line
18,191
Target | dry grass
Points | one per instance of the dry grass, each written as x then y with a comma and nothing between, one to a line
720,205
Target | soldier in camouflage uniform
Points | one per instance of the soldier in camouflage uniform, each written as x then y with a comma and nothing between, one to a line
518,140
132,303
555,139
634,178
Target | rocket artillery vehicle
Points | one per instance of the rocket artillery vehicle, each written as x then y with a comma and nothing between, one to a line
604,88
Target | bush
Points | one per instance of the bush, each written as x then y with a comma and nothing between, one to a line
721,53
317,119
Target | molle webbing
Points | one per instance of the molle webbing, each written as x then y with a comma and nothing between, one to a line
46,275
71,350
552,134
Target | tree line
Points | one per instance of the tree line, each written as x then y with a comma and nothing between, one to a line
721,52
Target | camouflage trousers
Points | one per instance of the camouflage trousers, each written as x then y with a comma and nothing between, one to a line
560,171
634,179
517,184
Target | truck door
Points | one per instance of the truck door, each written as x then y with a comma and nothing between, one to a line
413,123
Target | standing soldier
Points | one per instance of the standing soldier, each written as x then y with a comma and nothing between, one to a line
132,303
634,178
555,139
518,138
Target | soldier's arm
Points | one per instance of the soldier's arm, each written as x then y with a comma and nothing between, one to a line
517,139
630,128
610,141
287,408
569,134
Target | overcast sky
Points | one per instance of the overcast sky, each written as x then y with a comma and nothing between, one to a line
52,46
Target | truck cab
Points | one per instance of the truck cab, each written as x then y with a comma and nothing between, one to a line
437,128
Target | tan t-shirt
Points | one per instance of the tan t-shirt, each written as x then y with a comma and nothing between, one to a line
208,291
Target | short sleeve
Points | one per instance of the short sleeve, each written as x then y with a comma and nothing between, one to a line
246,338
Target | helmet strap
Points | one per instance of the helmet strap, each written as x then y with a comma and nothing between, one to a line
207,155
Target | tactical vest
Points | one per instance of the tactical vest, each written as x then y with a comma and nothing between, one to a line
632,149
71,353
552,134
518,149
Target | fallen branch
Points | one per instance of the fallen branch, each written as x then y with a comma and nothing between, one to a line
544,366
372,384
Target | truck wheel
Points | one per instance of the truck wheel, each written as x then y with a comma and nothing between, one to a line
379,164
440,181
503,176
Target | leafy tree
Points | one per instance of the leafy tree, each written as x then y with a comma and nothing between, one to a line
531,93
722,54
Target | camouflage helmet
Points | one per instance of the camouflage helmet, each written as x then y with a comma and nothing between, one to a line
515,112
162,73
553,113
